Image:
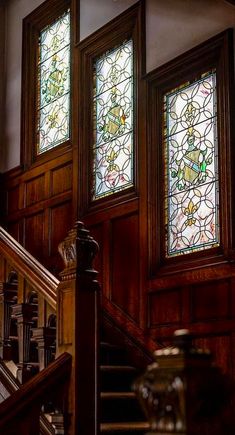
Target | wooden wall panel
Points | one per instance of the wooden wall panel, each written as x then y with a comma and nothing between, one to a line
165,307
125,264
220,346
60,223
206,309
61,179
13,199
39,207
14,230
35,190
34,236
211,300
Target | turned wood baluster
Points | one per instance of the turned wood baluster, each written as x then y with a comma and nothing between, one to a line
45,338
8,295
24,314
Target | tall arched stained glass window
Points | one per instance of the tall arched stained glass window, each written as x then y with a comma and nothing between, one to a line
113,121
191,167
54,85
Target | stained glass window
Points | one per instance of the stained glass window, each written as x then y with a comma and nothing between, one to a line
191,167
113,121
54,84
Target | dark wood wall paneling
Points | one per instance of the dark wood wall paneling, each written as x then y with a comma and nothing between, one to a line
39,207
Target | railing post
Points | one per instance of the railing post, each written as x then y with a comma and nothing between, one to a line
45,337
24,314
78,310
8,296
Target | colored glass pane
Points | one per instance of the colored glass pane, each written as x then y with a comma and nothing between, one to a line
113,121
54,84
191,167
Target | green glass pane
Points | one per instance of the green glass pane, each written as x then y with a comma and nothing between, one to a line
54,84
113,121
191,167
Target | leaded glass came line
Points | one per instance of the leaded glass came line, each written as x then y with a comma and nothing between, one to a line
191,167
54,84
113,121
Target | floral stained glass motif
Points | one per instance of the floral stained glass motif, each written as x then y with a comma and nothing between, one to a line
113,121
54,84
191,167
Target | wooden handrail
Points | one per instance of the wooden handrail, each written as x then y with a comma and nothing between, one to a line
37,275
17,407
6,377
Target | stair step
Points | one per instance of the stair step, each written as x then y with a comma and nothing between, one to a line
117,378
111,354
124,428
121,407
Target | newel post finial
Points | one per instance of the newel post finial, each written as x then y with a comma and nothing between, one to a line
78,250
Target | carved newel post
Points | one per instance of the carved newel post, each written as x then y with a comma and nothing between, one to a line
184,393
78,310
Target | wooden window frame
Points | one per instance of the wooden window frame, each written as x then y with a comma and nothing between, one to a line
128,25
33,24
217,53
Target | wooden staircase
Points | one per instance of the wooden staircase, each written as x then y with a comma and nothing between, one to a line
29,337
120,411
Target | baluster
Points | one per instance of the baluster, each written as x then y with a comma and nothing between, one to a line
24,314
8,296
56,420
45,338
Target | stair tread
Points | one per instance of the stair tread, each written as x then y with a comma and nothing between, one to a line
118,395
126,426
110,345
113,368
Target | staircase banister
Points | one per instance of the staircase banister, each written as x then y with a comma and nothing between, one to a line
7,378
37,275
35,390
